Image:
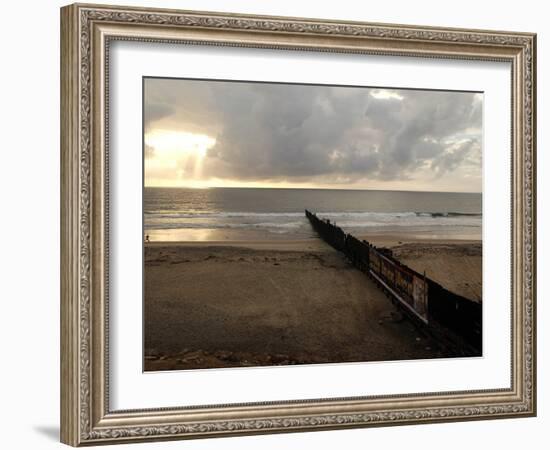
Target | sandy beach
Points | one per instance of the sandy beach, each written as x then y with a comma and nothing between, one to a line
455,264
258,303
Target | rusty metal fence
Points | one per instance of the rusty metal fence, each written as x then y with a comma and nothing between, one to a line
454,319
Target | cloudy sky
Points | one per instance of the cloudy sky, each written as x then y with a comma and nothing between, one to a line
213,133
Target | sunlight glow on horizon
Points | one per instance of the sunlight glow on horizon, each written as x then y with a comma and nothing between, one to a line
213,183
181,152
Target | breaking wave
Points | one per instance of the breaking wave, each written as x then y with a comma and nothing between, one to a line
290,221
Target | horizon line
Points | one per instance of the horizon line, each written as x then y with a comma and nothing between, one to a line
311,189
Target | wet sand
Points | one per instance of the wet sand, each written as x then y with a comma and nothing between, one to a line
212,304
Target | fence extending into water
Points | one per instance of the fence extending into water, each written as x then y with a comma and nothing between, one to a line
454,320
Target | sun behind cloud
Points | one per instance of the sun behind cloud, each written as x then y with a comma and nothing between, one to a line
179,153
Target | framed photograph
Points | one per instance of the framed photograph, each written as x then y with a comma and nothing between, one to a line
274,224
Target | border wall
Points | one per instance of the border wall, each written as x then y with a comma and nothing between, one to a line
454,320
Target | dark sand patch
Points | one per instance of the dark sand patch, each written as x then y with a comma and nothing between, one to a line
225,306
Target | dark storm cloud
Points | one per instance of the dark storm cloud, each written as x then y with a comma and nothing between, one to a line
459,154
336,134
155,111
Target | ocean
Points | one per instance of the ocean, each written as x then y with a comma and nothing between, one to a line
217,214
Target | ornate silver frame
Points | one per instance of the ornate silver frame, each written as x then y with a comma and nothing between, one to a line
86,31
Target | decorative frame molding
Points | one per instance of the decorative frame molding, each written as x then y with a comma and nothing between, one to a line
86,31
